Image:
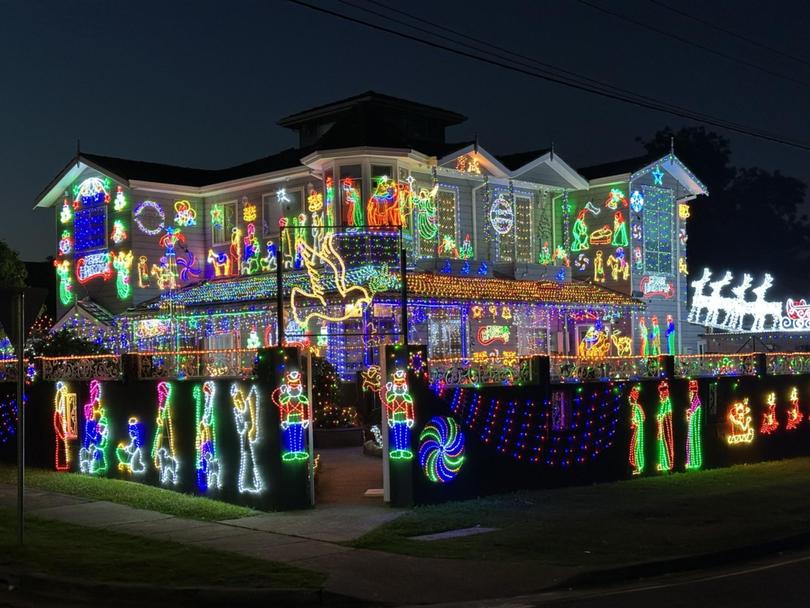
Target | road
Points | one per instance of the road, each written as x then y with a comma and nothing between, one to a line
779,581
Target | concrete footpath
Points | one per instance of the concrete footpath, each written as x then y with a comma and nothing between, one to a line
309,539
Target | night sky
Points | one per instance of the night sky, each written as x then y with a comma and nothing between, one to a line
203,83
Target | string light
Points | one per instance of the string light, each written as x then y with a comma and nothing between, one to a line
184,214
131,456
637,418
441,449
149,217
93,453
740,428
209,475
64,425
246,412
293,408
769,421
399,412
664,438
164,454
694,424
120,202
65,279
122,263
794,412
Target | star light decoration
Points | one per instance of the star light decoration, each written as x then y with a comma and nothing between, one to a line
658,176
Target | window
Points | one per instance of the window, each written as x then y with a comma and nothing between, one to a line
446,205
284,202
223,221
444,334
658,225
351,196
523,228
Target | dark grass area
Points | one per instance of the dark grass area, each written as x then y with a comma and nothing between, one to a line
617,523
71,551
133,494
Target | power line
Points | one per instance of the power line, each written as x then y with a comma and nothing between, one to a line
689,42
707,23
658,106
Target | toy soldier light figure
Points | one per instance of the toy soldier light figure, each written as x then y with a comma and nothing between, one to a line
399,408
293,408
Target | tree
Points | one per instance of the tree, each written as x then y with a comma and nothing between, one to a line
12,271
752,219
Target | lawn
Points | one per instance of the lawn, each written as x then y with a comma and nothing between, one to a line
101,555
617,523
126,493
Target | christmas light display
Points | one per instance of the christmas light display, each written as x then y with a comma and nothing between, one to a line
217,217
502,215
249,212
164,453
354,206
120,202
66,214
187,270
617,263
659,225
119,233
149,217
665,440
441,449
94,266
637,418
209,475
65,425
400,415
93,191
122,263
131,455
658,175
384,207
293,408
143,271
694,429
736,313
93,453
655,337
90,229
672,348
601,236
66,243
769,420
468,163
65,281
599,267
8,420
246,412
636,202
683,211
354,298
184,214
221,262
794,412
656,286
580,233
740,427
619,230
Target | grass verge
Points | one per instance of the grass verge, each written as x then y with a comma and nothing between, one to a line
129,493
67,550
618,523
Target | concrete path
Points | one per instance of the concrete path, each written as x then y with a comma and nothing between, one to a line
308,539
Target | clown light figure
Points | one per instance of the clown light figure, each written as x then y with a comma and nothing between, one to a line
164,454
293,409
399,410
208,475
130,455
246,417
92,456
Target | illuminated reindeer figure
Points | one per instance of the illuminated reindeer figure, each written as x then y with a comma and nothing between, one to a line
715,301
762,309
699,300
737,310
354,298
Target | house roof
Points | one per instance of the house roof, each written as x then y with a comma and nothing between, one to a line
616,167
262,287
519,159
372,97
151,172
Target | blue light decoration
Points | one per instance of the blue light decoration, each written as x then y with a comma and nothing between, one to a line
465,267
447,268
207,457
186,265
90,229
522,430
658,176
560,277
93,454
8,420
483,269
92,192
441,449
636,202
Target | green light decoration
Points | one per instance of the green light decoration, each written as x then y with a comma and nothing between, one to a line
65,281
637,418
664,437
619,230
694,423
580,233
427,218
122,263
441,449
